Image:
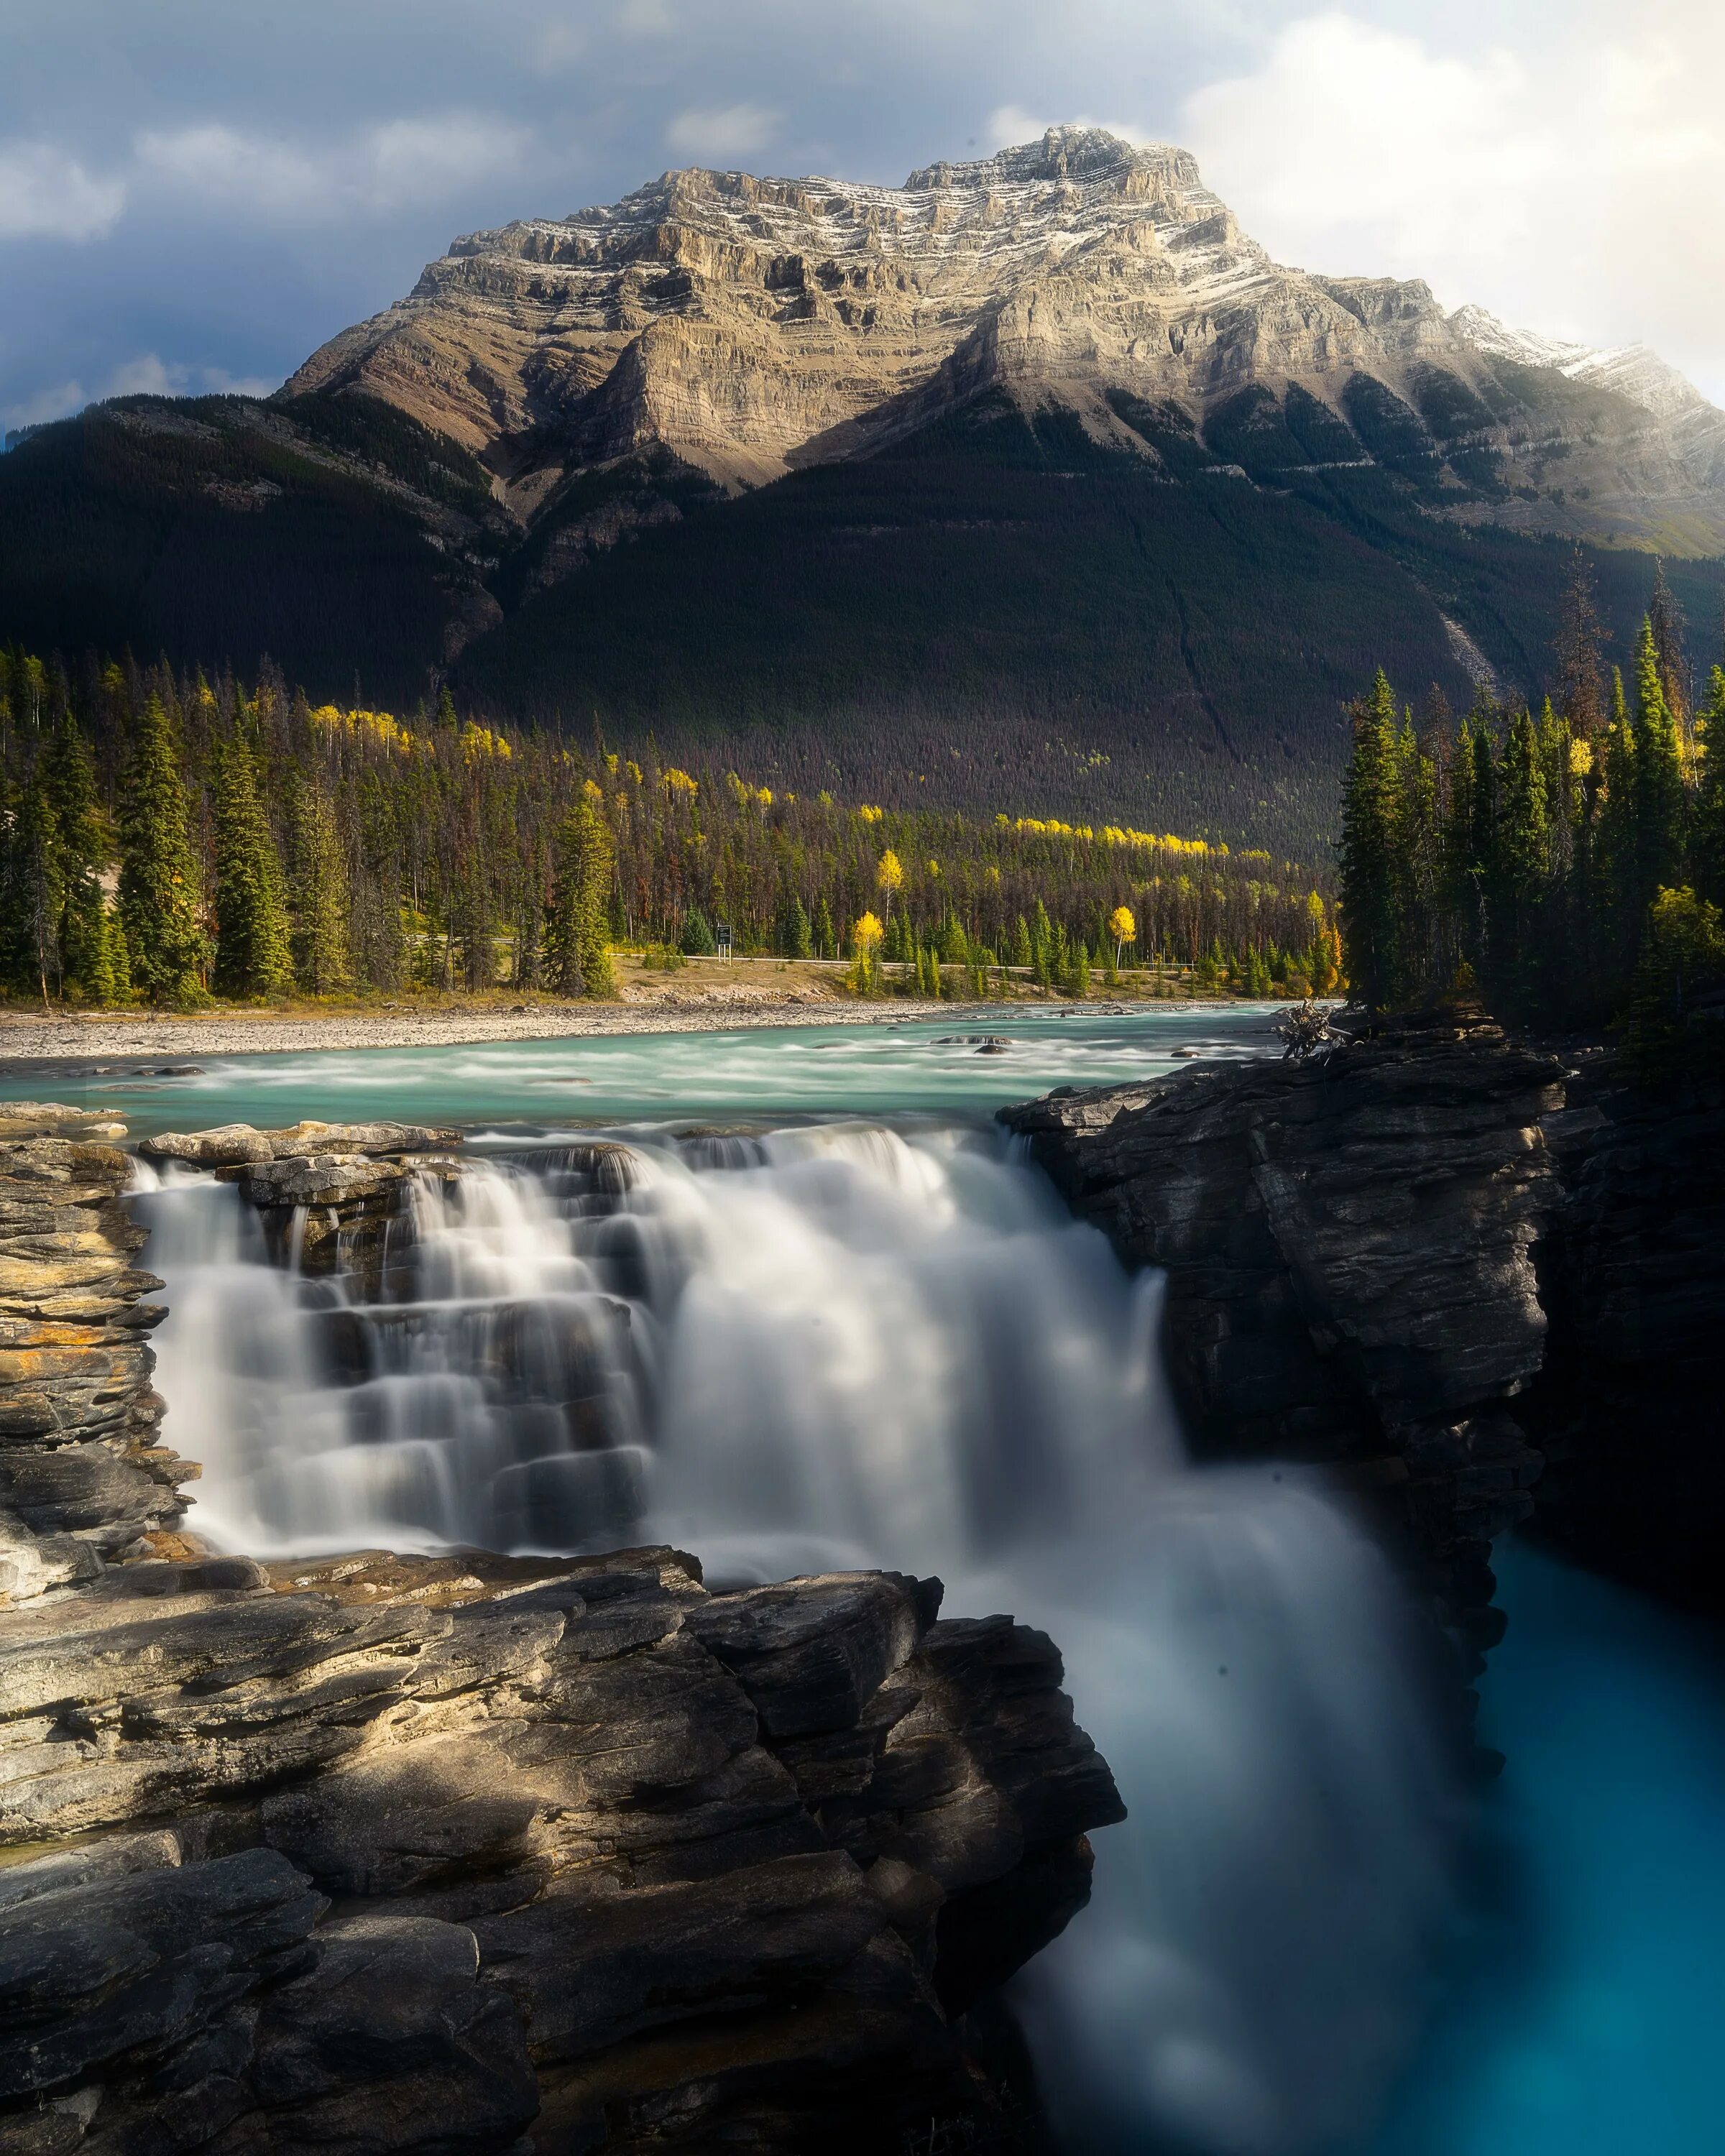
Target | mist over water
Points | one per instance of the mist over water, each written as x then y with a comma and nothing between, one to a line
844,1344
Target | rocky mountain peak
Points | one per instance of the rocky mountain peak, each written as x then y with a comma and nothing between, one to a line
749,325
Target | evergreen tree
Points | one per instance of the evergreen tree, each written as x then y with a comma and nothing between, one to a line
795,937
1661,804
1368,866
36,890
578,956
1665,629
1522,854
1706,842
476,926
1580,691
1617,882
69,777
826,941
159,908
697,940
318,882
253,956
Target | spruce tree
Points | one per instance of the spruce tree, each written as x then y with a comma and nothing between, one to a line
1665,629
254,958
69,776
36,890
1706,841
826,941
1522,858
318,889
159,898
1660,804
577,956
1369,872
1617,882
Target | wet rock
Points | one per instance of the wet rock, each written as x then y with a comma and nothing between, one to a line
811,1654
231,1145
78,1409
1349,1250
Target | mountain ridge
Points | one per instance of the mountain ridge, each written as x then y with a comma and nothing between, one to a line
1037,482
753,326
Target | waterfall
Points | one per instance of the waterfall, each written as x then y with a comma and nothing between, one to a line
842,1345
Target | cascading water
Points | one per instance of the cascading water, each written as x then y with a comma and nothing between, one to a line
846,1345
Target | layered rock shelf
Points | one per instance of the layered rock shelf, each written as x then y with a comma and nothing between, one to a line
466,1852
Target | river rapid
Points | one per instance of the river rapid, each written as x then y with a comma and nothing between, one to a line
786,1299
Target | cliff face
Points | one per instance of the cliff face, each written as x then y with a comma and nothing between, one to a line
379,1853
1633,1273
1348,1245
750,325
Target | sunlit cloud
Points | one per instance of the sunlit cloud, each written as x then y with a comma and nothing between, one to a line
1574,192
45,193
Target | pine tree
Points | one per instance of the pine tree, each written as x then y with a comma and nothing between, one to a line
1368,866
826,941
318,884
576,954
253,955
159,908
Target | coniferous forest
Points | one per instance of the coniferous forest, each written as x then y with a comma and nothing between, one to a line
1569,862
167,839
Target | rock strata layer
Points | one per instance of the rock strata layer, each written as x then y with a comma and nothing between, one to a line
1349,1250
82,1473
746,326
377,1853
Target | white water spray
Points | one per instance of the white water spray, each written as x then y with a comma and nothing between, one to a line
841,1346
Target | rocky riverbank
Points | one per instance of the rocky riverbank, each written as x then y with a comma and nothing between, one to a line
391,1853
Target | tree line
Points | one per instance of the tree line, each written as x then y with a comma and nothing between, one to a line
165,837
1568,860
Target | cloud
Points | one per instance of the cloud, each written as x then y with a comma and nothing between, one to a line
1574,190
1010,124
145,374
730,130
56,402
379,171
47,194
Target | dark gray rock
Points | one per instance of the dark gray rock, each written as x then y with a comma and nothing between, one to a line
1349,1250
1633,1273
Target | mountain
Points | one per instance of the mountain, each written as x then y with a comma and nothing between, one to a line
1033,483
755,326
